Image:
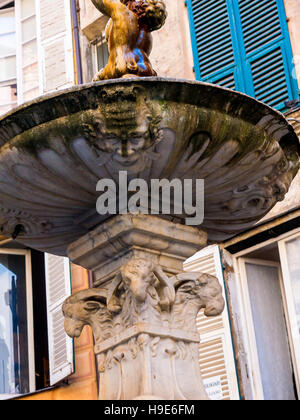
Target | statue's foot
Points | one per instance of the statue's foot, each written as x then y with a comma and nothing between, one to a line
101,75
129,76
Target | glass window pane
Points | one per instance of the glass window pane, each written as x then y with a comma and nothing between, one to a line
30,77
28,29
293,252
7,21
14,367
8,68
102,55
271,332
27,8
8,94
31,94
7,45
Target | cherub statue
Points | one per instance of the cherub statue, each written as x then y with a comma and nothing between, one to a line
128,33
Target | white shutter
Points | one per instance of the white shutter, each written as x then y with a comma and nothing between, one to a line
55,44
58,285
216,355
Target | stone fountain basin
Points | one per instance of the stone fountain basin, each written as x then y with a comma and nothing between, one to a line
55,149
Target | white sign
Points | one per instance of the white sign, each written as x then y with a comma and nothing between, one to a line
213,387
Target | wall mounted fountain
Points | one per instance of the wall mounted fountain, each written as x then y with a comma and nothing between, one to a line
55,149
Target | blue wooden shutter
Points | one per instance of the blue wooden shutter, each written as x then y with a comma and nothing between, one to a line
212,42
244,45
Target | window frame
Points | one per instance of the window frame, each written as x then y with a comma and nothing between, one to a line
10,82
30,323
19,80
19,50
256,373
251,352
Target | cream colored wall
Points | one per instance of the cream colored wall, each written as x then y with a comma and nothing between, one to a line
92,22
292,199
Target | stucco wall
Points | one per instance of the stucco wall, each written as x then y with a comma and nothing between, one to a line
292,199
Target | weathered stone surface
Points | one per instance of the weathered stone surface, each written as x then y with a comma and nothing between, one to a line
55,150
142,308
108,247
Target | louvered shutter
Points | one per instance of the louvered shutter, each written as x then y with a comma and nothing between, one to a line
244,45
268,53
58,285
212,42
216,355
56,44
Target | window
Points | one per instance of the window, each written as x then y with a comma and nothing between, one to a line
244,45
101,53
8,66
28,51
269,276
16,324
35,351
19,74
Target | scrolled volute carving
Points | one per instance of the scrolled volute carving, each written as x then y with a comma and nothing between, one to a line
143,294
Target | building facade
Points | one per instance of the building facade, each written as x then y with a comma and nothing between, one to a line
250,46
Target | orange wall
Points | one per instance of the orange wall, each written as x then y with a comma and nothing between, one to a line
83,384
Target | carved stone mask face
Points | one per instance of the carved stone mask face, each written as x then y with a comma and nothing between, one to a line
127,125
129,143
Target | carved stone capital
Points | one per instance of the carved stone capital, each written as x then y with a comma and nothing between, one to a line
144,324
108,247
